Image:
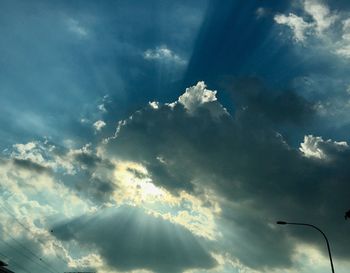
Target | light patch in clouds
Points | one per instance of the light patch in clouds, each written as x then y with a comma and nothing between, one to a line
89,261
165,54
310,147
31,201
154,104
136,188
321,14
98,125
316,147
261,12
344,44
40,156
102,108
296,23
75,26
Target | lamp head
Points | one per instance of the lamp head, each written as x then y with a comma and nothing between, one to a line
281,223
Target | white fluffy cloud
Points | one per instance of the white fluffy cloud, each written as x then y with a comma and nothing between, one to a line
321,14
199,97
98,125
296,23
316,147
323,27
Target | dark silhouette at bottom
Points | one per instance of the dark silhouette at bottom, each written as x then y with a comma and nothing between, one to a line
3,268
347,214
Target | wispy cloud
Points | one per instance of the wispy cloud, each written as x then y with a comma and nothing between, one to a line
76,27
165,54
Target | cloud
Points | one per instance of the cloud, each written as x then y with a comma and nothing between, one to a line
198,97
318,148
344,43
262,12
28,164
31,202
98,125
128,239
102,108
81,170
164,54
189,180
247,165
296,23
34,197
321,14
75,27
280,106
327,29
40,155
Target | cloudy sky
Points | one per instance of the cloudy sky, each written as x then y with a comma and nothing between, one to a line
170,136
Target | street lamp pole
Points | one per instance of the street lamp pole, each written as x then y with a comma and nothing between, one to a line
324,235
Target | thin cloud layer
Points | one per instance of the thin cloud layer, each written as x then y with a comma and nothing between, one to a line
163,54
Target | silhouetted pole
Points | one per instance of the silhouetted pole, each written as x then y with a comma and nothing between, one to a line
324,235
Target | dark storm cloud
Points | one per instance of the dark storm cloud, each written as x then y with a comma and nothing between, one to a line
129,239
247,162
279,106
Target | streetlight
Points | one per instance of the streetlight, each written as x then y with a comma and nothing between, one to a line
309,225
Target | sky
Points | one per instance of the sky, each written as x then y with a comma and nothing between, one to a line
170,136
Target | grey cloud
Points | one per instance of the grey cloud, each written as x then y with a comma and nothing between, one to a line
92,176
251,167
30,165
266,246
278,106
87,160
96,189
81,170
129,239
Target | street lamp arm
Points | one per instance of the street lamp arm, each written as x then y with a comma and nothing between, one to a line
324,235
302,224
